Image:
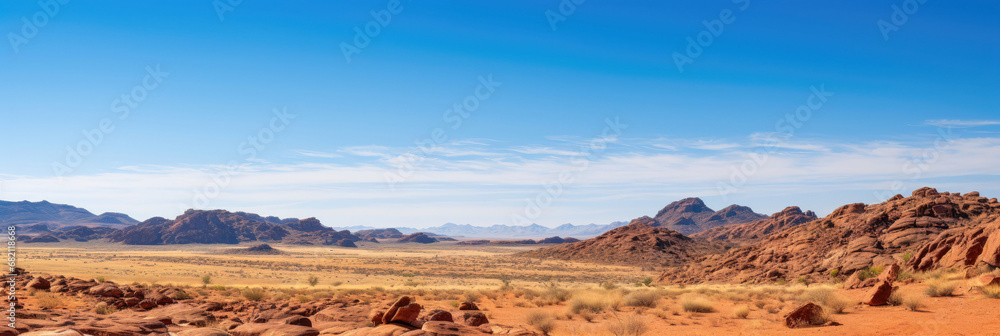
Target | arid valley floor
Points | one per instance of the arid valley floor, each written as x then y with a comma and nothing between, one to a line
557,297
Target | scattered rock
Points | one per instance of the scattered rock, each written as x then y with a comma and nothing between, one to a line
474,318
806,315
879,295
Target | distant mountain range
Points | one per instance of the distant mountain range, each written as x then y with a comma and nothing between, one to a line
687,216
506,231
44,216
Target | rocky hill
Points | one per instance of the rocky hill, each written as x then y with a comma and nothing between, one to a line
43,217
937,229
691,215
641,242
220,226
753,231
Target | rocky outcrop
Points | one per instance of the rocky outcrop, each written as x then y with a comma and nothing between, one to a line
639,243
224,227
753,231
941,228
418,237
691,215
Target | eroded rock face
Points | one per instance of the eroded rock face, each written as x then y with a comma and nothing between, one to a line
639,243
962,247
944,230
756,230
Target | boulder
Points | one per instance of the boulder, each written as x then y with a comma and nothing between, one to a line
879,295
60,332
437,315
406,314
403,301
203,332
273,329
39,283
106,290
806,315
474,318
446,328
298,320
376,316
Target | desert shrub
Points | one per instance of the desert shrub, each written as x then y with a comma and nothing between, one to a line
181,295
870,272
48,300
992,291
593,302
253,294
541,321
629,326
804,281
313,280
741,312
586,316
646,298
646,281
895,299
218,287
608,285
506,280
472,295
336,283
913,302
100,278
557,294
696,304
938,288
834,272
907,256
102,308
827,297
206,280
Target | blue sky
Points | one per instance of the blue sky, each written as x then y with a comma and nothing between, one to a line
356,122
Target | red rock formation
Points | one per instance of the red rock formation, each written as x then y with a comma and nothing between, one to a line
944,230
752,231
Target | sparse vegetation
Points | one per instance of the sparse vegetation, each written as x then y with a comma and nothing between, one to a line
312,280
206,280
643,298
541,321
48,300
992,291
741,312
696,304
472,295
826,297
102,308
940,287
253,294
913,302
870,272
631,325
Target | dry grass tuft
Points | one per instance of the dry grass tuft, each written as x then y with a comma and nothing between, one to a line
940,287
696,304
992,291
631,325
541,321
741,312
645,298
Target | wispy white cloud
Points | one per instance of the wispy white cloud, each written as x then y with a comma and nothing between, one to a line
317,154
490,183
961,123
